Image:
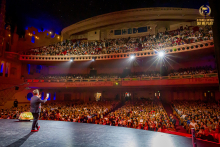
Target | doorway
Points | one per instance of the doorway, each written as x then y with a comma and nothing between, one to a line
127,96
98,96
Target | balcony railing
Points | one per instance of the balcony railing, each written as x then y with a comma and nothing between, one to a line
146,53
123,79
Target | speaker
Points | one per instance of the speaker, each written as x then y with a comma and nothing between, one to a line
16,88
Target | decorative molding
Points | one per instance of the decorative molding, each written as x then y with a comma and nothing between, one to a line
131,16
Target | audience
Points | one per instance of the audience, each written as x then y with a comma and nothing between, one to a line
65,111
181,72
123,45
85,112
143,114
140,114
193,71
203,116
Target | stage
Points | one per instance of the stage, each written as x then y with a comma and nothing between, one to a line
67,134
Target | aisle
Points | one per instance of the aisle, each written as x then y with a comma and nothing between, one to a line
118,106
169,111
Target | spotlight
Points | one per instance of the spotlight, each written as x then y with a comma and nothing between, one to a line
50,32
71,59
132,56
93,58
161,54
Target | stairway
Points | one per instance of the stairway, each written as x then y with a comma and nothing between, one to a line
169,111
118,106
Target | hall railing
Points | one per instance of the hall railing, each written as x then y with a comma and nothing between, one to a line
146,53
122,79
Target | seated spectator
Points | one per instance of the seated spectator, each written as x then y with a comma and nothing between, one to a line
123,45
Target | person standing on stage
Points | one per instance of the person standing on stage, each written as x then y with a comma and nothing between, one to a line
15,103
36,109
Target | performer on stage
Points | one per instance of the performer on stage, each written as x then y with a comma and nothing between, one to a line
36,109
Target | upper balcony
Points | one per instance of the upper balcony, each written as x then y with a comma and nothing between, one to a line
169,50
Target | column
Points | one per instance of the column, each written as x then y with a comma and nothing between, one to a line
9,68
4,68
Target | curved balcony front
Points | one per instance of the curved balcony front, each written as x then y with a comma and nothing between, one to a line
146,53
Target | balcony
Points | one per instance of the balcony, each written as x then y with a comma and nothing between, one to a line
169,50
211,78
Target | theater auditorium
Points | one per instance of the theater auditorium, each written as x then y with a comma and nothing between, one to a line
136,77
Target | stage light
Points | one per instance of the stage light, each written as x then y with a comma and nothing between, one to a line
132,56
71,59
161,54
58,37
50,32
9,35
93,58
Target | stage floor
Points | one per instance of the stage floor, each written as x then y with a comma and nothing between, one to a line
68,134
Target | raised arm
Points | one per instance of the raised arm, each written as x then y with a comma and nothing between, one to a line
42,101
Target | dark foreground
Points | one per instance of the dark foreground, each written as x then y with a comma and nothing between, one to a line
67,134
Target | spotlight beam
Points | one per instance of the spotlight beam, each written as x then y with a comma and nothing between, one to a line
161,54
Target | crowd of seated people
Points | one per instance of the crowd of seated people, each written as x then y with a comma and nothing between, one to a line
14,112
65,111
85,112
121,45
140,114
79,77
99,76
193,71
144,74
203,116
143,114
182,71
